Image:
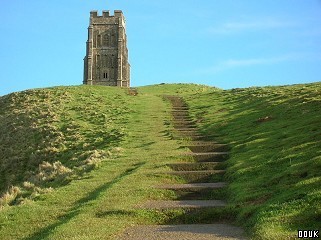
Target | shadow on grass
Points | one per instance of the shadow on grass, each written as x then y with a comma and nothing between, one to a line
275,137
73,212
115,213
205,216
194,216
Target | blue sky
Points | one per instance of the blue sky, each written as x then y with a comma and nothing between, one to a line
223,43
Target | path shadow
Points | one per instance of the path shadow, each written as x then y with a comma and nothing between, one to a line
73,212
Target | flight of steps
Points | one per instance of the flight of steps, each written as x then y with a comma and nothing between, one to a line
200,195
204,174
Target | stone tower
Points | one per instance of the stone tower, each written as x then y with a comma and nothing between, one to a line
106,60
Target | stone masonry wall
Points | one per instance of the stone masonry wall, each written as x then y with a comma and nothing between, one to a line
106,60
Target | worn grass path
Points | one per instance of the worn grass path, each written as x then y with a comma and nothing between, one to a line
102,203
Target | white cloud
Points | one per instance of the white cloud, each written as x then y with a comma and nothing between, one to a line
236,63
250,25
252,61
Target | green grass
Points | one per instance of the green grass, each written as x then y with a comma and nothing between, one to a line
275,162
81,158
95,204
52,135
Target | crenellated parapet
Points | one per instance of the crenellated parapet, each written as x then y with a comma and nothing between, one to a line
117,13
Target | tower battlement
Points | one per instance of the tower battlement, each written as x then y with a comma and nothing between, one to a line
106,60
94,14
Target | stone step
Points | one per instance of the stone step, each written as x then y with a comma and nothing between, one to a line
180,114
199,176
182,119
195,137
188,137
199,193
177,120
183,122
190,126
208,148
194,186
187,134
188,131
197,166
180,108
204,143
179,105
208,156
200,172
178,126
177,101
184,128
184,231
201,137
170,204
175,116
186,124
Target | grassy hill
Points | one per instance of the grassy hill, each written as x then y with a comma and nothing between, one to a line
275,162
76,160
50,136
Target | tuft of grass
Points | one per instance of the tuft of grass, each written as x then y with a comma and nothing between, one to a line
10,196
51,136
120,138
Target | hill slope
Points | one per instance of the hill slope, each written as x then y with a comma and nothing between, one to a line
49,137
275,162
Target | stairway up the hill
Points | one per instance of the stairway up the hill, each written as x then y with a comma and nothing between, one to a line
206,215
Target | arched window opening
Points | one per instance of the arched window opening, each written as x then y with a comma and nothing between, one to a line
106,40
113,39
98,60
98,40
106,60
113,61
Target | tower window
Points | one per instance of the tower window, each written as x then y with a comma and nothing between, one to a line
98,40
105,75
106,40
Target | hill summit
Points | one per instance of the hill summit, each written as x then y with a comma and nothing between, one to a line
86,155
